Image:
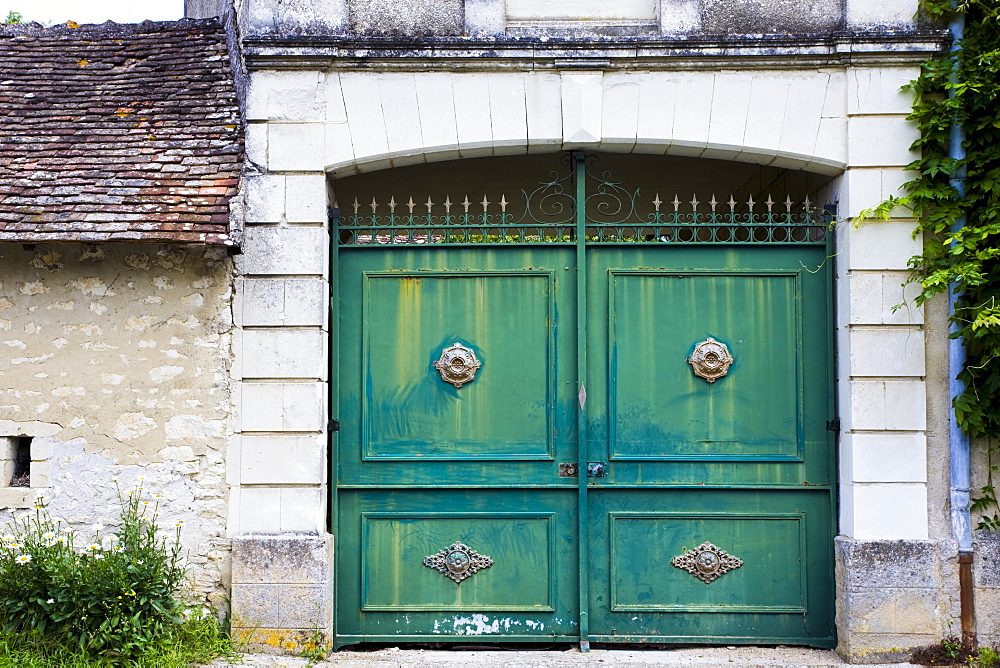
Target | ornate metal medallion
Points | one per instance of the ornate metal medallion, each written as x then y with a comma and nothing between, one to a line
710,360
458,561
706,562
458,365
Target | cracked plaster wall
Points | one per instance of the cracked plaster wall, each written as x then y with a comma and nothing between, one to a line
115,359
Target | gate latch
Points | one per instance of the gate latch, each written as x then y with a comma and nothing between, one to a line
597,469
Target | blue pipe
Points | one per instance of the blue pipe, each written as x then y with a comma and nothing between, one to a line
961,522
958,440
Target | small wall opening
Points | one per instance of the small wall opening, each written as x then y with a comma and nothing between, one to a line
21,468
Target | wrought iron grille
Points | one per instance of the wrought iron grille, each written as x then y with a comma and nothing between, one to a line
580,202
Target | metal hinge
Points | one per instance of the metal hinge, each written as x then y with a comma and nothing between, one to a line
833,425
333,425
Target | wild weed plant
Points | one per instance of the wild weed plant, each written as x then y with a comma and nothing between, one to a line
111,592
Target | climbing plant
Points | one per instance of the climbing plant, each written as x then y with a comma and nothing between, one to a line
966,258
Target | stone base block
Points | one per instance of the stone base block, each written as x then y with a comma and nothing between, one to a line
283,641
986,576
894,596
282,597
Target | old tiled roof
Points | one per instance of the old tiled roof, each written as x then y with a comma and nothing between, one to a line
117,132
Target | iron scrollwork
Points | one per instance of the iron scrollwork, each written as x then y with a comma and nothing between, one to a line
706,562
457,365
710,360
458,562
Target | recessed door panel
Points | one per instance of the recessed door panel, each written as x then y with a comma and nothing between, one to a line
499,564
692,565
660,409
505,411
732,562
490,561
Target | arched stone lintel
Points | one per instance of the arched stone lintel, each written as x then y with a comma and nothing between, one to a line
377,120
754,155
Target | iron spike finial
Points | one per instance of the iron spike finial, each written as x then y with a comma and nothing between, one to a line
807,203
373,205
357,205
712,203
694,202
731,203
392,205
447,204
657,202
769,203
676,203
429,204
485,202
410,204
788,203
466,204
503,203
750,202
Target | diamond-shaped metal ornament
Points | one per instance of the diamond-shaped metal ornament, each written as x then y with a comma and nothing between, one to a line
706,562
458,561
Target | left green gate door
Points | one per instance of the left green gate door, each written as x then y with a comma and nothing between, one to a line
453,517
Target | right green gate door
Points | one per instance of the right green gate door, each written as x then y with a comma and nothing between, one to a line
711,521
644,454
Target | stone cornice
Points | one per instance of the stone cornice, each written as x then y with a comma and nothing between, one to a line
599,53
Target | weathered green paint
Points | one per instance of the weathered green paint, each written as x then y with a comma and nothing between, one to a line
743,463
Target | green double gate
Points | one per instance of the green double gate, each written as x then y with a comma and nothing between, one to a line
584,429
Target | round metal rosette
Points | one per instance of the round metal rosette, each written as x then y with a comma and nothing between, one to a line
457,365
710,360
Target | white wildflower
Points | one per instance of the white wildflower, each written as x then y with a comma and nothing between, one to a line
23,558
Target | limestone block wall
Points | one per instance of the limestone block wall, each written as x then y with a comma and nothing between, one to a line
114,364
279,467
897,564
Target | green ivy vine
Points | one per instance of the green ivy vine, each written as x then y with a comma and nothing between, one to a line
968,258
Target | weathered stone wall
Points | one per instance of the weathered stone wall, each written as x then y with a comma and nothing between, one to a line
115,359
567,18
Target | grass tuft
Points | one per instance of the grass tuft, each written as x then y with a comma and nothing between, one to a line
198,639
